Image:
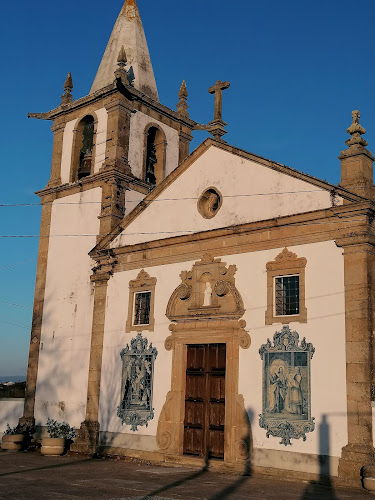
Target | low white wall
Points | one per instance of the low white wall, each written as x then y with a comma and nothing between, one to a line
11,409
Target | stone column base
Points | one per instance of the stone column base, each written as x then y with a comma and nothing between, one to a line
27,422
353,458
87,439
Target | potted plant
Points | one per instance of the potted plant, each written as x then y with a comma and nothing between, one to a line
13,438
60,436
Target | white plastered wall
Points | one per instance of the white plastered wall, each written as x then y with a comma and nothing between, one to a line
249,190
325,329
101,137
138,124
67,315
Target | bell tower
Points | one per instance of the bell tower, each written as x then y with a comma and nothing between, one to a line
110,148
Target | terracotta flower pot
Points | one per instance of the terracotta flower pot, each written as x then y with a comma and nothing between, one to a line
53,446
12,442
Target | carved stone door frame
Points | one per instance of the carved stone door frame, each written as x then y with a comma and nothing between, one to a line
171,421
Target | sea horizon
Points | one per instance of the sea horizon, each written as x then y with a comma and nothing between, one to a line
12,378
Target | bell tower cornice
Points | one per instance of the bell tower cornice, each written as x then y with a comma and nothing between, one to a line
136,97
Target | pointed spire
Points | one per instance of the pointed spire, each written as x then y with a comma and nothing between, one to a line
182,105
121,59
128,34
67,97
183,93
68,85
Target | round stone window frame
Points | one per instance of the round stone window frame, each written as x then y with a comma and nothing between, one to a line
203,203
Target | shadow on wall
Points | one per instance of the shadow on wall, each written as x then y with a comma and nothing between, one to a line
10,411
322,488
108,407
57,378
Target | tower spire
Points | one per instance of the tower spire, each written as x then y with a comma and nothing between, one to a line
128,33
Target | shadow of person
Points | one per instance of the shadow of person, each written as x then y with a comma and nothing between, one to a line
322,488
179,482
247,448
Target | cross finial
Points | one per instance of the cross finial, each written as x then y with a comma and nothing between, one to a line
67,97
182,105
217,125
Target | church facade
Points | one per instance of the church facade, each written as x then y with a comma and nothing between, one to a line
215,305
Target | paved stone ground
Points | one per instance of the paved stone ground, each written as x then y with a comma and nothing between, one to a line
31,476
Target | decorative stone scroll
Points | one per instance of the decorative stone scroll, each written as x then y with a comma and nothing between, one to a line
207,291
137,383
287,386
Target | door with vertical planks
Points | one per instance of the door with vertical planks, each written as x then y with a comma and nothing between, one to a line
205,400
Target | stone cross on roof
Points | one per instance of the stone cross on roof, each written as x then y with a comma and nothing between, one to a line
217,89
216,127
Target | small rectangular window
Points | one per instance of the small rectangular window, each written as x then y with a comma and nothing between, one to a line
287,295
142,304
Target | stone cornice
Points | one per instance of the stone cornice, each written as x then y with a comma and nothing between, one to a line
92,180
133,93
344,223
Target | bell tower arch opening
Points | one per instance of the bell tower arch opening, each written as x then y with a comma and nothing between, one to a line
155,155
83,148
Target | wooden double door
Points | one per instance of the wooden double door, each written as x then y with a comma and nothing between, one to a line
205,400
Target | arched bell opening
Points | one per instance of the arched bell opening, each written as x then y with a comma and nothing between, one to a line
83,149
155,155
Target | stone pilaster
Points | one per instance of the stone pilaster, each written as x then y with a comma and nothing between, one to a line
359,285
88,435
58,135
113,205
36,328
184,144
118,131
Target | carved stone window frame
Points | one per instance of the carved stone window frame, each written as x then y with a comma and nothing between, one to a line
143,283
285,264
204,208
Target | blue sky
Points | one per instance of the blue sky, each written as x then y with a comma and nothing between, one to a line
297,70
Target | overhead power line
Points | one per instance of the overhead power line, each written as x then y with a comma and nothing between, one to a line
15,305
177,232
157,200
17,264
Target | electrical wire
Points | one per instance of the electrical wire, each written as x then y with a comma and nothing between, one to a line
169,199
15,305
17,264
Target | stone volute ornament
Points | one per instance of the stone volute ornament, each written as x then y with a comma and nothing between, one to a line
67,97
207,291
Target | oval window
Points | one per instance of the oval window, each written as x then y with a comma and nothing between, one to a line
210,203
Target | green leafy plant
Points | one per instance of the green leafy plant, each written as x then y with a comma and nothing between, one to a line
60,429
11,431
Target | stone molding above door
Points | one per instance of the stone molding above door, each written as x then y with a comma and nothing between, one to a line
207,291
200,319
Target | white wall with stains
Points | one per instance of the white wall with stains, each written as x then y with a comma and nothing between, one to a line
325,329
11,410
251,192
67,314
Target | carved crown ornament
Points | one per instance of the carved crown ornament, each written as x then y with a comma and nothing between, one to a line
207,291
